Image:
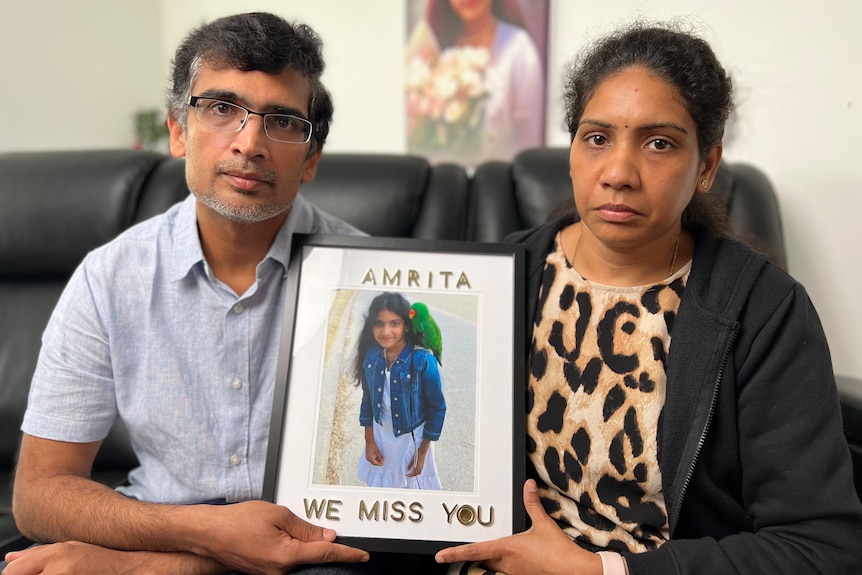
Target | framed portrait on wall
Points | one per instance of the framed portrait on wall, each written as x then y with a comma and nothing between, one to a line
398,416
475,78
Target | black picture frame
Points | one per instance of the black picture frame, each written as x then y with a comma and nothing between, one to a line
475,291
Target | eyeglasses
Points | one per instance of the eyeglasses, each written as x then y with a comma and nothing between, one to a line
233,117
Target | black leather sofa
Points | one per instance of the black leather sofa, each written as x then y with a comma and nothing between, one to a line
57,206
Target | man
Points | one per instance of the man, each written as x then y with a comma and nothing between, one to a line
174,327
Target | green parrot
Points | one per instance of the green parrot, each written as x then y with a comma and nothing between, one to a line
426,330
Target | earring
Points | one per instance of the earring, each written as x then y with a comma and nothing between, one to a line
704,184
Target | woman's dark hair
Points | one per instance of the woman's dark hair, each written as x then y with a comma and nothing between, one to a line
253,41
445,23
389,301
684,61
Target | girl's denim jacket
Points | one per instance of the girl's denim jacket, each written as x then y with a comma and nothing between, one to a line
415,391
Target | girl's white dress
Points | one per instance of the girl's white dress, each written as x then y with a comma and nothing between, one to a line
397,452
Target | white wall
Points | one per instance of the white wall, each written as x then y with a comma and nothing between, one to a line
794,62
73,71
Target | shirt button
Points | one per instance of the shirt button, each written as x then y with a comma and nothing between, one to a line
380,389
235,460
236,383
394,399
238,308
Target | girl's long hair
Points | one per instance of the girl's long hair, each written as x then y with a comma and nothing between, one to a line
389,301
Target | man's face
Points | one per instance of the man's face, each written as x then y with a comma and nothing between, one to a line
244,176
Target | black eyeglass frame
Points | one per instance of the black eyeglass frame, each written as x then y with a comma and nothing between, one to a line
193,100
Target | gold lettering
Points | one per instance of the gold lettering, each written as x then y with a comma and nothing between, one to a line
490,520
398,511
466,515
313,508
391,280
415,512
369,277
365,513
449,513
414,278
446,278
332,509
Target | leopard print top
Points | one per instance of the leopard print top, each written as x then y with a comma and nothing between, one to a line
595,397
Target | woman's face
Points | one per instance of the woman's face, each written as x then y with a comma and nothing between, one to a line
634,160
471,10
388,329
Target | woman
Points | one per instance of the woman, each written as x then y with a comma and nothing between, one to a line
514,99
683,416
403,406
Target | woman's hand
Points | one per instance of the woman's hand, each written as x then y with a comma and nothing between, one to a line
543,549
418,464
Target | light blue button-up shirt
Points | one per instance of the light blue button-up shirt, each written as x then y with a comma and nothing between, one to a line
145,332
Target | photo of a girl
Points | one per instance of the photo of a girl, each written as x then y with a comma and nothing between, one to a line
403,407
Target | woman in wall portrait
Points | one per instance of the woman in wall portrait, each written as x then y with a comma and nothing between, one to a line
473,66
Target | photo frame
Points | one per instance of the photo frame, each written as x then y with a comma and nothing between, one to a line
318,463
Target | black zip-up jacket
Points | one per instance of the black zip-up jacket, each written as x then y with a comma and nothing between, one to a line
756,472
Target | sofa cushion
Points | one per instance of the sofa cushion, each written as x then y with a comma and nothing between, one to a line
387,195
57,206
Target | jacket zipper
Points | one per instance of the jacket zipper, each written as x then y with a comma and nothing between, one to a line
703,433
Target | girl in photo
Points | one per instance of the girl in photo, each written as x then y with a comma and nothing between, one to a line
403,407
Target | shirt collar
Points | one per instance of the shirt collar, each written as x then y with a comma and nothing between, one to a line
187,250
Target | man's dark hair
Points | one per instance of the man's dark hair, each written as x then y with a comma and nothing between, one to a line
253,41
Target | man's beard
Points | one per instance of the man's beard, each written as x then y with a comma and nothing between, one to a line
242,214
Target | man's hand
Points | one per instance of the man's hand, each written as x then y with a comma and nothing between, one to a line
258,537
75,558
543,549
254,537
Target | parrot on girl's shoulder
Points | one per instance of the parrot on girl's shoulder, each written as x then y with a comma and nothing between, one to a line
426,330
